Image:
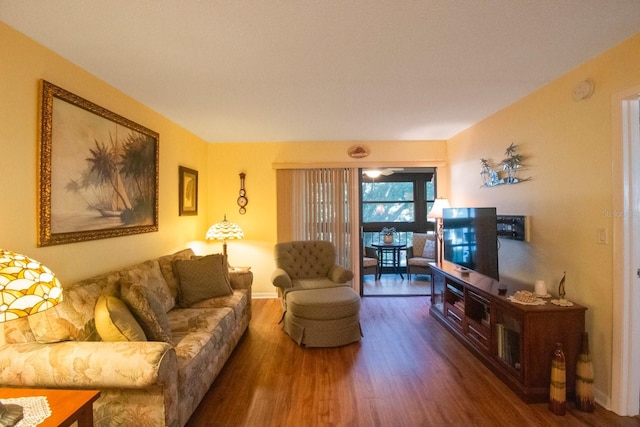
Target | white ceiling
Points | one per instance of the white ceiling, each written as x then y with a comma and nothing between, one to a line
295,70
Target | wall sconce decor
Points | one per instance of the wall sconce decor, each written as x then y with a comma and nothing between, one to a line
506,172
358,151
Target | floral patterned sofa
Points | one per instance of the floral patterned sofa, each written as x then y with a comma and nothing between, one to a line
149,374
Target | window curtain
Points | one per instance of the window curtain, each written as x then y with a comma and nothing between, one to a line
314,204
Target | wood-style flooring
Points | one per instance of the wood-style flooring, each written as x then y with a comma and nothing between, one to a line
407,371
395,285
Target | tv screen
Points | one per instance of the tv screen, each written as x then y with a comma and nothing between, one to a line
471,239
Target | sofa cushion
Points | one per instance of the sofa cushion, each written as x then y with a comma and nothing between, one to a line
115,322
202,278
169,273
317,283
49,326
420,262
237,301
369,262
148,311
72,319
148,274
202,338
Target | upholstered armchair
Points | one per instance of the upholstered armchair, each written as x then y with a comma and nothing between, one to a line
307,264
370,263
320,309
421,253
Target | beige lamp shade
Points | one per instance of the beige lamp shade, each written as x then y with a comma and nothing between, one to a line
225,230
26,286
438,206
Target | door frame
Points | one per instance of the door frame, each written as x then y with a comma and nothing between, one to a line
625,371
357,195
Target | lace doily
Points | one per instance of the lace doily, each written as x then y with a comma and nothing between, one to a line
526,298
562,302
35,409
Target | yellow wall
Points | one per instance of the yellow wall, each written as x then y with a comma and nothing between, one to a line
569,147
259,160
23,64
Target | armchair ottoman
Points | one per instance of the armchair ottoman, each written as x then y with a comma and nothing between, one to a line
325,317
319,308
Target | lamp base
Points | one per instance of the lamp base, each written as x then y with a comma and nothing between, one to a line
10,414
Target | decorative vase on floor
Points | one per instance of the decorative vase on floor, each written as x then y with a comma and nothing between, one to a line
584,378
558,386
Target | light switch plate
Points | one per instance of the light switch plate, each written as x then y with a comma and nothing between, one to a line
601,236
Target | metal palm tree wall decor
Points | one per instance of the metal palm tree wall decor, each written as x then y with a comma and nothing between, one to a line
504,173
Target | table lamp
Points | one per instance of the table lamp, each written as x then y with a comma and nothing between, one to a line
224,230
436,212
26,287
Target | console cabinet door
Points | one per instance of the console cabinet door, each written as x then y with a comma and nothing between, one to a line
508,344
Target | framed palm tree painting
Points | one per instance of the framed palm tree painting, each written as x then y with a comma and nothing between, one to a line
98,172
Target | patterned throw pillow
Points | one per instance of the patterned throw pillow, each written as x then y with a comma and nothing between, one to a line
115,322
202,278
429,249
49,326
169,274
148,311
149,275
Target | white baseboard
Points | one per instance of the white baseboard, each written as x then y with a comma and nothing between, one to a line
602,399
263,295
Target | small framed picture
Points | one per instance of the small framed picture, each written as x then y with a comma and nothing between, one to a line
188,191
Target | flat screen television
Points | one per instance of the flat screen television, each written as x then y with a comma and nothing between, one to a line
471,239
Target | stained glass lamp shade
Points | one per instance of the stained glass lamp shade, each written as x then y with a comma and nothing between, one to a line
225,230
26,287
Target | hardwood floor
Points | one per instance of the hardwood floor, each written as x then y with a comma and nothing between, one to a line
406,371
394,285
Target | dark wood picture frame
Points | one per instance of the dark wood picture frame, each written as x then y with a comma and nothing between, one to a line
187,191
98,172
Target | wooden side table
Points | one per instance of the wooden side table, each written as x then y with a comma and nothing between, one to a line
67,406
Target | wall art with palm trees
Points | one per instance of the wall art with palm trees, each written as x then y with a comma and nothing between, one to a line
98,172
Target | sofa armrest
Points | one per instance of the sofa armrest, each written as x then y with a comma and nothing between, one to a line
281,279
99,365
240,279
339,274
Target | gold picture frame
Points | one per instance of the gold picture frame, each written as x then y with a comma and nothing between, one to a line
187,191
98,172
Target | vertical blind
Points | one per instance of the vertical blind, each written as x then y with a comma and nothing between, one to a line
321,200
